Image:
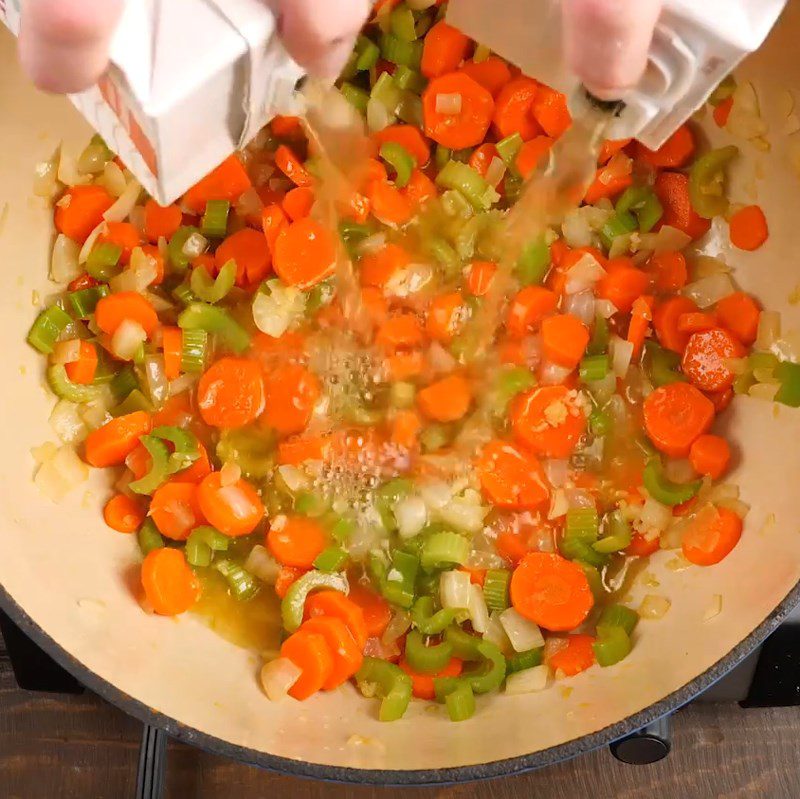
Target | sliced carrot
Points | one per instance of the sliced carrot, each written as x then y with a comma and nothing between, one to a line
446,400
476,576
606,187
564,340
446,316
227,182
675,153
548,420
123,235
231,392
376,610
305,254
375,305
175,509
696,321
199,469
172,344
666,317
622,284
610,148
550,110
739,313
377,268
482,157
286,127
669,271
249,250
83,281
114,309
110,444
178,410
675,416
511,547
123,514
531,154
710,455
297,450
291,391
720,399
170,585
405,429
347,656
235,509
711,536
749,228
356,206
551,591
528,309
401,331
672,190
405,365
641,316
705,359
291,166
83,370
513,112
273,221
312,655
286,577
444,48
422,685
205,261
296,540
511,477
480,276
492,73
575,657
298,202
390,205
468,127
80,210
641,547
723,111
333,604
408,137
419,189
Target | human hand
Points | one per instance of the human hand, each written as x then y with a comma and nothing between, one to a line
64,44
607,42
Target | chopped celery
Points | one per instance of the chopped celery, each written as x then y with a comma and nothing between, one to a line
707,182
593,367
392,683
402,394
215,219
193,350
580,534
332,559
386,92
123,382
643,203
611,646
310,504
460,702
534,263
789,376
401,52
619,616
599,422
177,258
241,583
367,54
64,388
135,401
495,588
663,366
442,156
618,225
202,543
409,79
400,160
49,325
354,95
294,601
725,90
158,472
84,301
428,622
529,659
149,538
508,149
445,255
435,436
600,337
403,24
183,293
512,380
212,290
250,449
617,534
103,260
426,659
455,175
199,316
665,490
185,447
398,584
444,549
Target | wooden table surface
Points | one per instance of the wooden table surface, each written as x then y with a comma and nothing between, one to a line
79,747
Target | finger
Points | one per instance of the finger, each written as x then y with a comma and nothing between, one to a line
63,44
320,35
607,42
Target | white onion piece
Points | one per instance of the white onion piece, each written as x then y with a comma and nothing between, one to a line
408,281
293,478
654,515
709,290
140,273
92,160
411,515
195,245
125,203
576,229
441,361
495,172
181,384
581,306
679,470
68,172
378,116
621,355
668,239
436,493
230,473
399,625
261,564
620,245
529,680
584,275
66,351
769,330
654,606
557,471
464,515
448,103
478,612
745,118
522,632
278,676
496,634
127,339
618,167
371,244
602,390
113,180
454,590
275,312
552,374
558,504
605,308
64,264
88,245
45,179
578,498
67,423
61,473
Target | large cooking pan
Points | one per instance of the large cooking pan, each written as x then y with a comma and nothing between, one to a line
64,576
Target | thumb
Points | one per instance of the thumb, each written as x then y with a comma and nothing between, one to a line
607,42
320,35
63,44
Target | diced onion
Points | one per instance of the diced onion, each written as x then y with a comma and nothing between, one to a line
576,229
580,498
581,306
495,172
496,634
705,265
621,355
769,330
127,339
463,515
371,244
398,626
125,203
478,612
668,239
230,473
261,564
182,383
278,676
448,103
714,608
584,275
557,471
61,473
522,632
454,589
441,361
67,423
618,167
709,290
553,375
195,245
274,313
529,680
64,264
558,504
140,273
113,180
679,470
436,493
602,390
91,240
408,281
741,509
45,180
68,172
293,478
620,245
654,515
67,351
378,116
411,515
249,203
745,118
654,606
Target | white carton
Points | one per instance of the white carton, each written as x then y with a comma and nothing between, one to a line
189,82
696,44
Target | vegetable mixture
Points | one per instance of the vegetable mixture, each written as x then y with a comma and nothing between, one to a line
437,521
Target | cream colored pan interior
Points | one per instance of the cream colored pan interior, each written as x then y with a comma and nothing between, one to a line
69,573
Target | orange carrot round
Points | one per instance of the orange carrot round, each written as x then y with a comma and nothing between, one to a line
512,477
250,251
622,284
291,166
446,316
445,47
550,110
228,181
528,309
564,340
672,190
532,153
513,109
675,416
83,370
401,331
377,268
110,444
710,455
175,509
422,685
296,540
551,591
390,205
666,318
170,585
122,234
549,420
749,228
675,153
446,400
305,254
375,609
669,271
235,510
231,392
711,537
739,313
114,309
705,359
347,656
467,127
298,202
576,656
123,514
161,220
479,277
492,73
80,210
408,137
312,655
291,392
334,604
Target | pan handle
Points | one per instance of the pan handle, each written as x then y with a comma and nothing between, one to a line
152,770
